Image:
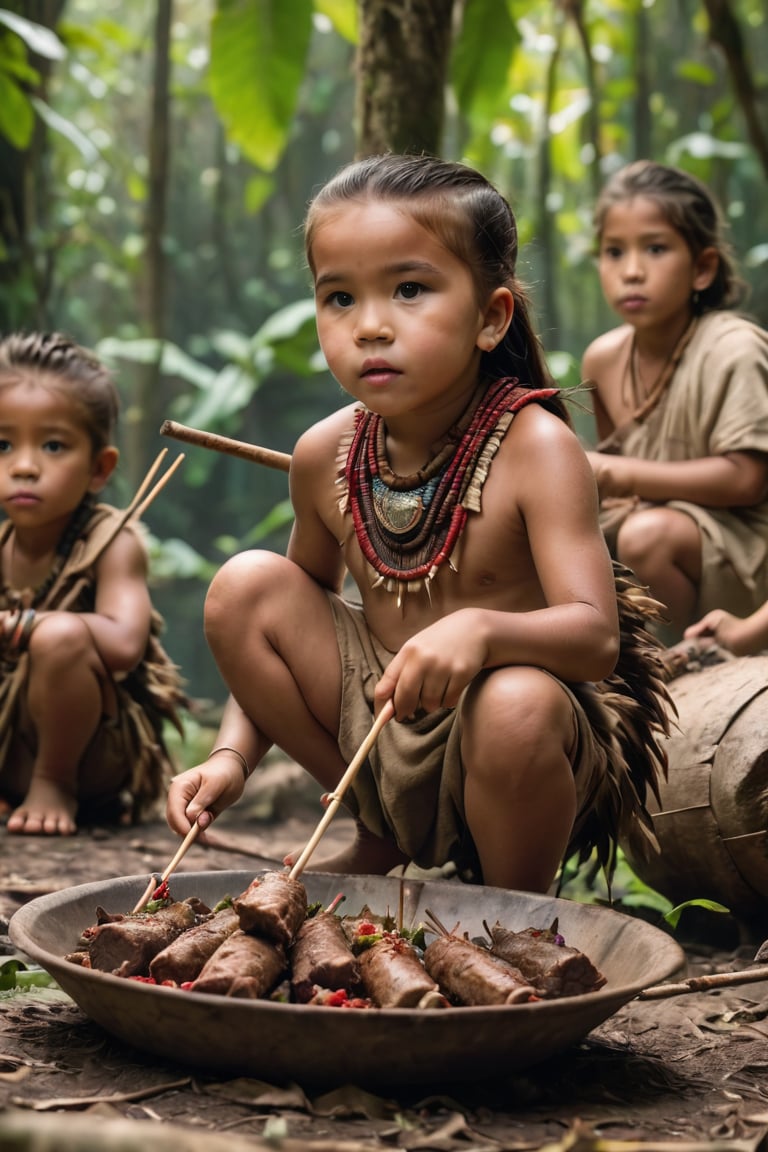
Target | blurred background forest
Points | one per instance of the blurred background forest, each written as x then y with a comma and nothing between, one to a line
156,158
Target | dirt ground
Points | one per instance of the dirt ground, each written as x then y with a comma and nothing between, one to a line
687,1072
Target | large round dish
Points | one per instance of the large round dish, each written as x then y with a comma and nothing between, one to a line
324,1046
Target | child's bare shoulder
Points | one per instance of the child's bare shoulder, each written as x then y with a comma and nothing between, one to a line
320,443
601,353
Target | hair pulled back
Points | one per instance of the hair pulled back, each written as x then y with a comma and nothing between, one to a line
459,206
71,369
691,210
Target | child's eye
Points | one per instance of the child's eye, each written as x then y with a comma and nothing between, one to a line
5,445
409,289
657,249
341,299
611,252
54,447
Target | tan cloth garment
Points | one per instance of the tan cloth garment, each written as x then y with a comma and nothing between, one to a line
716,402
128,753
412,784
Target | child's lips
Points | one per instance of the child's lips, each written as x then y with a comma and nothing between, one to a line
632,303
23,499
378,371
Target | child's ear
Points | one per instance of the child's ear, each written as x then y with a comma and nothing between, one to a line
707,264
104,465
496,319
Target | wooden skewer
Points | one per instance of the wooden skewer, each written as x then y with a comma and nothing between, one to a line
705,983
386,714
186,844
141,508
252,452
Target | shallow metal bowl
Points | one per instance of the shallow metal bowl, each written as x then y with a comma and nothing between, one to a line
327,1046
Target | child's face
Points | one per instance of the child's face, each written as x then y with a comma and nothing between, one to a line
47,461
647,271
398,315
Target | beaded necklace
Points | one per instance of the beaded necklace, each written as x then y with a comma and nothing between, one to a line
407,526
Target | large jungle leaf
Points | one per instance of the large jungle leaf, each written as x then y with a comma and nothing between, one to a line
258,55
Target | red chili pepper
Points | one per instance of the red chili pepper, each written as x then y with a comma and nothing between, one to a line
161,892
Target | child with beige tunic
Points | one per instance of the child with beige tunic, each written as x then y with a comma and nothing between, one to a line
680,400
455,494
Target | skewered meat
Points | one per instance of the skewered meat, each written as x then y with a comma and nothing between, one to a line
321,955
273,906
184,958
544,959
468,974
394,976
244,966
125,947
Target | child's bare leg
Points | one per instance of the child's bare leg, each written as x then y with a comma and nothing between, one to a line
365,855
64,696
271,631
520,796
662,546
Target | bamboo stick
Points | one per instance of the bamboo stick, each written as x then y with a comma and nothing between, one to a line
279,460
386,714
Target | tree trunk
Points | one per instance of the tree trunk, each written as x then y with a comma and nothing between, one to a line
152,304
401,71
26,271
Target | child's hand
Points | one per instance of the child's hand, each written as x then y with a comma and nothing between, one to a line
433,668
612,473
730,632
203,792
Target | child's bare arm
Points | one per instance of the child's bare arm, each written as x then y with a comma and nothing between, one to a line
121,618
200,793
733,480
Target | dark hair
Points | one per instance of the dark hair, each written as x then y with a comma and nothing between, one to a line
691,210
78,373
470,217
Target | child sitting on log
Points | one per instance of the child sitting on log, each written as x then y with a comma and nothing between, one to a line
680,400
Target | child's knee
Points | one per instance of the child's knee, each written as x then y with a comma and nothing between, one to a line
61,636
519,714
239,583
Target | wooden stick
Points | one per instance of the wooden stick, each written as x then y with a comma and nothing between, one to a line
141,509
186,844
705,983
252,452
386,714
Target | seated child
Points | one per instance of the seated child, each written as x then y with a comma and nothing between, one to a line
85,684
680,400
456,496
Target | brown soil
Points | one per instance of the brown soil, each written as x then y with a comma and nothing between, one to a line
687,1072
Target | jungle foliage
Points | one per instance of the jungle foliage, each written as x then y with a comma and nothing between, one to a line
156,159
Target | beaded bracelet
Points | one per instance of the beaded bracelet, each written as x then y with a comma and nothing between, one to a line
241,758
22,629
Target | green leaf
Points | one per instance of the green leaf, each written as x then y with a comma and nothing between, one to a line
342,14
40,40
258,54
481,57
673,917
67,129
17,118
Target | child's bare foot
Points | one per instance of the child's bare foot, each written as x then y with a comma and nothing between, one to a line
47,810
367,855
